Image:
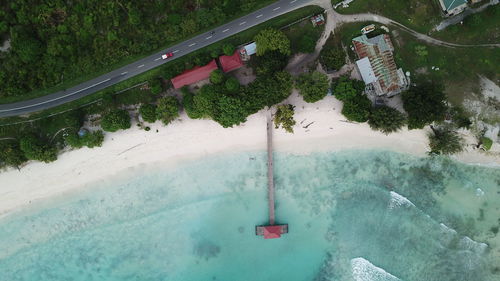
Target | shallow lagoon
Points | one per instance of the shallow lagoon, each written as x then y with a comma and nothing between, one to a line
353,215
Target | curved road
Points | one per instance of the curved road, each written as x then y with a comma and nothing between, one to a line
147,63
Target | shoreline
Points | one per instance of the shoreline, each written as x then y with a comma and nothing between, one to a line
186,140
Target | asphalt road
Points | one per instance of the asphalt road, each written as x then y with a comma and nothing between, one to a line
145,64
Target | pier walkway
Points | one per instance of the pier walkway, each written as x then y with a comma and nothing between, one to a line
271,230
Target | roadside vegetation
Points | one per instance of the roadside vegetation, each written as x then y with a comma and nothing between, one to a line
303,36
332,56
59,45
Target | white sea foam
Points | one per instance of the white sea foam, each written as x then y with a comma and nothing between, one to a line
468,244
398,200
363,270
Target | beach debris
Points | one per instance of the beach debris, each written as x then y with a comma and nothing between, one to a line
303,121
307,126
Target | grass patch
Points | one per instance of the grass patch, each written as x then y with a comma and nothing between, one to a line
480,28
303,36
420,15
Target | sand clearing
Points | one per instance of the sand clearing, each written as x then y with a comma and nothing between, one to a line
320,127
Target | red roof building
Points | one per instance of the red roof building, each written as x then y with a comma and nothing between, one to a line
194,75
230,63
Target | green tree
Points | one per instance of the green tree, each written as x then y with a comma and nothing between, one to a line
272,40
357,109
228,49
11,154
168,109
313,86
424,103
232,85
36,149
230,111
332,58
269,63
386,119
93,139
344,89
189,104
284,117
115,120
26,45
217,77
148,113
445,141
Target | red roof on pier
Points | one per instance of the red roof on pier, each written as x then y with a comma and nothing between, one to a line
230,63
194,75
272,231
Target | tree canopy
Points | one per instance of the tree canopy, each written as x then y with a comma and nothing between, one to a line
386,119
11,154
36,149
332,58
357,106
445,141
313,86
167,109
425,103
115,120
148,113
272,40
284,117
217,76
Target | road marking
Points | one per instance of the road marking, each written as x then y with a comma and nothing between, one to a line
58,98
158,59
275,9
259,16
123,73
140,66
293,1
191,45
242,23
225,30
175,51
208,37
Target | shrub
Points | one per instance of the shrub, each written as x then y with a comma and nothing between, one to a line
386,119
189,105
36,149
155,85
168,109
228,49
11,154
217,77
232,85
115,120
148,113
487,143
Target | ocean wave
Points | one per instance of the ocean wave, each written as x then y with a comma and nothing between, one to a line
363,270
398,200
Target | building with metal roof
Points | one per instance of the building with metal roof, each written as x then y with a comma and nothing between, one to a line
453,7
377,66
194,75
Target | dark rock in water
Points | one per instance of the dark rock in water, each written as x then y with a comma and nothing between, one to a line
206,250
241,229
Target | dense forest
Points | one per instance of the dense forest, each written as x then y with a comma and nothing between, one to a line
57,41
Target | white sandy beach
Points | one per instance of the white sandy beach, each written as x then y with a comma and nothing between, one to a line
190,139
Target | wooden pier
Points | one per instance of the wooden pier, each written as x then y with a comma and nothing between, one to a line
271,230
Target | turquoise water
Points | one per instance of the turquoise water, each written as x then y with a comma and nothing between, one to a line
352,215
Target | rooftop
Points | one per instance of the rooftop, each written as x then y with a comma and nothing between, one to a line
230,63
194,75
449,5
